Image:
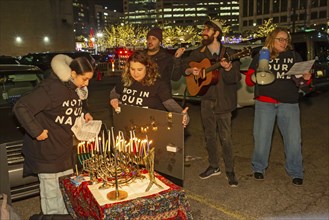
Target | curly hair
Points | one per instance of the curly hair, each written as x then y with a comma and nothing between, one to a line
152,72
269,42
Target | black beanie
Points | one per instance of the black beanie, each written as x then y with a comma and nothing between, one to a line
156,32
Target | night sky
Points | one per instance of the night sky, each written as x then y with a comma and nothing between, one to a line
112,4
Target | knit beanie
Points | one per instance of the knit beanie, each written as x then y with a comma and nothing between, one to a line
156,32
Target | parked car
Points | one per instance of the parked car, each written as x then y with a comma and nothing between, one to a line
42,60
8,60
16,81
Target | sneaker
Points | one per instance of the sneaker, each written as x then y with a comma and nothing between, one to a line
210,172
258,176
297,181
232,181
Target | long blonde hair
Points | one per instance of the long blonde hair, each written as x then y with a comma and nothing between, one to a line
152,72
269,42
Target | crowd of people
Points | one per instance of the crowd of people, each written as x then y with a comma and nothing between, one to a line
48,113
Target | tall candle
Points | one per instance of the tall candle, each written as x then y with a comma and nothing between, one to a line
103,140
96,142
78,149
92,150
113,140
109,142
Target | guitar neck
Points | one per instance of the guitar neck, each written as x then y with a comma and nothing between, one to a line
229,58
213,67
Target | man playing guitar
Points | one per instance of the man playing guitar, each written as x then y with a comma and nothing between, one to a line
218,99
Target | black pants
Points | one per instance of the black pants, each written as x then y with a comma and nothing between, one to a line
214,126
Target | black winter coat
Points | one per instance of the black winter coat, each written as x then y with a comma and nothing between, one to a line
54,106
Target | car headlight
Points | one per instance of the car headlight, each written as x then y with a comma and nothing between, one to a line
319,74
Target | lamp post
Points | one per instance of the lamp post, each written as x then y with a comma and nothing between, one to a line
99,36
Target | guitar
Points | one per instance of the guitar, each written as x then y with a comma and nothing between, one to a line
198,85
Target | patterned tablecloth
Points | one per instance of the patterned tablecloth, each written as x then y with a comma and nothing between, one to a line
168,204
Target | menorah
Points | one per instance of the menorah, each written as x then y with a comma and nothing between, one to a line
119,165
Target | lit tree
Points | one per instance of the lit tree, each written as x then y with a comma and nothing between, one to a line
264,29
124,36
177,35
129,35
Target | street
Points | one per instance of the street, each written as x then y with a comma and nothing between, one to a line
274,198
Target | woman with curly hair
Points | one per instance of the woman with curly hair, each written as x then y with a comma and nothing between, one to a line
140,86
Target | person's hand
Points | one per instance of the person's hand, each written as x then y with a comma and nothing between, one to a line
192,70
88,117
226,64
179,52
43,135
115,104
307,76
186,118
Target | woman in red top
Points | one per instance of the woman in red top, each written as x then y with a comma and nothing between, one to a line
278,101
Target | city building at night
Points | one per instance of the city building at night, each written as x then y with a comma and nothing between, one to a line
180,12
297,15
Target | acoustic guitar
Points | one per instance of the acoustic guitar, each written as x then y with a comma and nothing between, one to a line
209,75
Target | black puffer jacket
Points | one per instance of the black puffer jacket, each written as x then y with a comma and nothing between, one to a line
54,106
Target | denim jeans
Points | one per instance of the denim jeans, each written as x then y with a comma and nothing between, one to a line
288,121
214,126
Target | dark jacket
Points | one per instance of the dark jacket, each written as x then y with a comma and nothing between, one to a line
224,92
54,106
284,88
167,68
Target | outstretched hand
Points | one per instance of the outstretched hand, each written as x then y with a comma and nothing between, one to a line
179,52
186,118
115,104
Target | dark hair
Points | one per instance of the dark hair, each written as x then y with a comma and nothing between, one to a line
152,72
81,65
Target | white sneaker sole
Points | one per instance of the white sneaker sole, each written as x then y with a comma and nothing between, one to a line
213,174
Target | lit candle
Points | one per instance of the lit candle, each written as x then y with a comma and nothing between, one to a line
131,141
113,140
96,142
109,142
91,148
103,140
148,145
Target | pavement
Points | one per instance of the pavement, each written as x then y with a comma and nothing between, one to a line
274,198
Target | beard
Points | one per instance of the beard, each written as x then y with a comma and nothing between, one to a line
208,40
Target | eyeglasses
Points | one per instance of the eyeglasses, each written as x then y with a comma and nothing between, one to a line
281,40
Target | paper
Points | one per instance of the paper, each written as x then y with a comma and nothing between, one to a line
85,131
135,189
300,68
